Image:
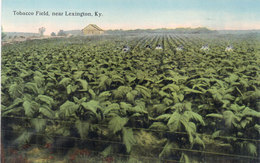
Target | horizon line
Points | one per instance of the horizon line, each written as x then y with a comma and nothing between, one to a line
149,29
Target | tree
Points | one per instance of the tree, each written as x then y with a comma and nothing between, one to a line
3,35
61,33
53,34
42,30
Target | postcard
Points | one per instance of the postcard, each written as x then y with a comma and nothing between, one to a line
130,81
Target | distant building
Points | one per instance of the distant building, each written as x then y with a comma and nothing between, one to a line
92,29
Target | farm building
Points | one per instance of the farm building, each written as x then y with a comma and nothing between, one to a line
92,29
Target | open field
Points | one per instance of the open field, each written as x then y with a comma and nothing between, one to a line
84,99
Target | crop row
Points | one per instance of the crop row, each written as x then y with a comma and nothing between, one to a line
92,83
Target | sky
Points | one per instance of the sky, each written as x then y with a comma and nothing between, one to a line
132,14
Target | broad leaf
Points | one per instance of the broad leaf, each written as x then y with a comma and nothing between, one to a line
46,111
128,139
214,115
116,124
28,108
251,148
195,116
38,123
163,117
83,128
68,108
23,138
91,106
84,84
159,126
46,99
15,90
65,82
168,149
107,151
174,122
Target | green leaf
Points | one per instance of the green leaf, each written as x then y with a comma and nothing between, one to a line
128,139
28,108
198,141
195,116
214,115
158,126
257,128
130,96
250,112
68,108
230,118
106,152
104,95
185,158
188,90
116,124
163,117
71,88
83,128
32,87
160,108
39,81
168,101
251,148
39,124
104,81
92,106
125,105
246,121
46,99
146,93
232,78
190,128
65,82
16,103
117,78
76,100
130,78
64,131
236,107
77,74
216,134
137,109
46,111
84,84
25,73
180,97
174,122
168,149
92,93
121,91
171,87
228,97
164,94
23,138
15,90
111,107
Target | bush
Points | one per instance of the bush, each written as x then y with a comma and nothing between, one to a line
53,34
61,33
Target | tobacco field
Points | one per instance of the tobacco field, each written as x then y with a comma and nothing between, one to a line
84,99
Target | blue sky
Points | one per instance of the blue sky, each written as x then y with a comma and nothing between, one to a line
132,14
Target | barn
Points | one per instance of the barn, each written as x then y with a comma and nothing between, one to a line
92,29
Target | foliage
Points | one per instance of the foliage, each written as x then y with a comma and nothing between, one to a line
87,88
